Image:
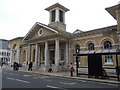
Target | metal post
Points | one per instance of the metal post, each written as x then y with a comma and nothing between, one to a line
77,48
77,65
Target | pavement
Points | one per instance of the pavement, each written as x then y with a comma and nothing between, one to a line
66,75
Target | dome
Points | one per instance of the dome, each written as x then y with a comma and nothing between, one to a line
77,31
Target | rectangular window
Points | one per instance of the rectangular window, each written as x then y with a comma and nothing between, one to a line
108,59
53,16
61,16
52,57
62,54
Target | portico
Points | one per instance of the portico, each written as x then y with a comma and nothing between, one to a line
45,44
42,53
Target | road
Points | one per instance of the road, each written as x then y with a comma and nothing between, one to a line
18,79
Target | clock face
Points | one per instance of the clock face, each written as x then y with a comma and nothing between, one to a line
40,32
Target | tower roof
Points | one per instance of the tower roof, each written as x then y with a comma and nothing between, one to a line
57,5
112,10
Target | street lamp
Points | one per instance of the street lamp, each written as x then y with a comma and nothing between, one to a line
77,49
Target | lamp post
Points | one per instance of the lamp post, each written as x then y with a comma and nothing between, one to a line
77,63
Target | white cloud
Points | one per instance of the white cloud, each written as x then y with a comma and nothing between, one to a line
18,16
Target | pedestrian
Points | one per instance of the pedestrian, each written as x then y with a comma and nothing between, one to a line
30,66
71,69
14,65
50,68
17,66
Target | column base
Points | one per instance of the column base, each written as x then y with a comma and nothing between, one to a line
54,68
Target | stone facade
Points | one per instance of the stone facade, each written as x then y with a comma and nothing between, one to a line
45,44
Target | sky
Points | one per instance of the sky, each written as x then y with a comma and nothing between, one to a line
18,16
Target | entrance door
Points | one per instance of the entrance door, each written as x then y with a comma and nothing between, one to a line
52,57
95,65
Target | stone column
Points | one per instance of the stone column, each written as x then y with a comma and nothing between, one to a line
46,55
64,17
36,54
39,57
67,53
57,15
18,52
29,53
50,15
57,55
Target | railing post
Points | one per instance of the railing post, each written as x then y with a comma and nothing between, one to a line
77,65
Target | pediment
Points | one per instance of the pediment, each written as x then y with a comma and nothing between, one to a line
39,30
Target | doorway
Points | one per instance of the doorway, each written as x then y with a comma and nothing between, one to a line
52,57
95,65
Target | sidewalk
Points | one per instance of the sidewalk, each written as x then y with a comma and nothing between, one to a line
65,75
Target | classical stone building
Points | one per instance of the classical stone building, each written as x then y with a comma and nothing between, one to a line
45,44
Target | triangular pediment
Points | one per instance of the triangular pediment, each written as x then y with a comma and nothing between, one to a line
39,30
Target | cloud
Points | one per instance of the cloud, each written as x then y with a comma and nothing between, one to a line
18,16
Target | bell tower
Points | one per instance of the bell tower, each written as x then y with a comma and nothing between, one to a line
57,16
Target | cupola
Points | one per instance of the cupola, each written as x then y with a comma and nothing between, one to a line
57,16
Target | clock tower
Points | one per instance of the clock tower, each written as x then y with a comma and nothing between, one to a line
57,16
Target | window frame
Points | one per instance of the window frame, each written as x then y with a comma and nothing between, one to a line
108,59
61,16
53,15
91,46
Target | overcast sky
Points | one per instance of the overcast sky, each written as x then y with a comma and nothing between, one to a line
18,16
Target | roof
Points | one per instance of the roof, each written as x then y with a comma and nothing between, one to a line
77,31
48,27
16,38
95,30
3,40
57,5
102,52
112,10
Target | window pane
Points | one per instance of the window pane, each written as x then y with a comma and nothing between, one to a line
108,59
90,46
61,16
107,45
53,16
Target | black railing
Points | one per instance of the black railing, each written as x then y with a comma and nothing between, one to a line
108,74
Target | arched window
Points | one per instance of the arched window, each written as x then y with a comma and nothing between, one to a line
90,46
107,45
108,59
2,53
